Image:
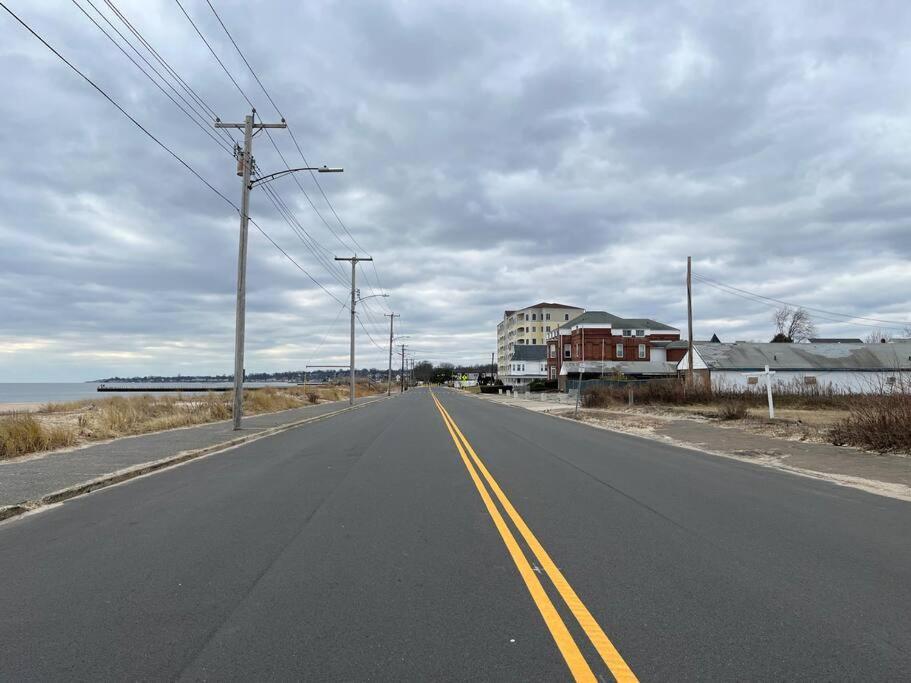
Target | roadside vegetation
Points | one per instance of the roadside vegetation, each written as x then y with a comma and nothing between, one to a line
62,425
878,421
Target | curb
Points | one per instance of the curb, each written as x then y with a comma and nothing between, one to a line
8,511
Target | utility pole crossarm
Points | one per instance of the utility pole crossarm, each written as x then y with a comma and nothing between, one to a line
220,124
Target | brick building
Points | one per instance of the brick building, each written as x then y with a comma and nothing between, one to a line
598,343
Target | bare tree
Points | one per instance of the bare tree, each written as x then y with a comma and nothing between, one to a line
793,324
877,336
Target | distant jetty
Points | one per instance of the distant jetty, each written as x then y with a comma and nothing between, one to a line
176,388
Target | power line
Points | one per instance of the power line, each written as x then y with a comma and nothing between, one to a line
250,102
190,116
372,341
839,318
214,54
772,304
169,69
326,334
300,151
160,143
119,108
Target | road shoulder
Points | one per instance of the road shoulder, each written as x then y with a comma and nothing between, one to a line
886,475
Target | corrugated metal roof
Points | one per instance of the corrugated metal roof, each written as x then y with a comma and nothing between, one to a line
835,357
529,352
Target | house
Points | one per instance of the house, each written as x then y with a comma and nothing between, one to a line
598,343
529,325
527,363
843,367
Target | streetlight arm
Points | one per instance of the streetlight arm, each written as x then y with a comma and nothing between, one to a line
363,298
272,176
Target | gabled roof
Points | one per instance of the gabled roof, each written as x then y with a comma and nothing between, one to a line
835,357
616,322
544,304
529,352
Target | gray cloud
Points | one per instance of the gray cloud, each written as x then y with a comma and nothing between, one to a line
496,154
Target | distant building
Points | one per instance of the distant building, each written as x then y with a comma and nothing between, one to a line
527,363
840,366
834,340
529,326
598,343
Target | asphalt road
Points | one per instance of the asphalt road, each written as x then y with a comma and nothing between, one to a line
472,541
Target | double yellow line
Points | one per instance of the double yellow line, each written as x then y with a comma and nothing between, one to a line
577,664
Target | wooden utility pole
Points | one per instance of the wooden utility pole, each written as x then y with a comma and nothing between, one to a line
354,261
689,319
392,317
403,368
244,168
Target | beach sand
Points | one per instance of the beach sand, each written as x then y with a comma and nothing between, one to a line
6,408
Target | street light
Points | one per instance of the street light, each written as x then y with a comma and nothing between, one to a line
272,176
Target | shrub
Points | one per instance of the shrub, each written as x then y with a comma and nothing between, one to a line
733,410
881,423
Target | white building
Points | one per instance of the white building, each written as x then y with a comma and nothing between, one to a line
526,364
843,367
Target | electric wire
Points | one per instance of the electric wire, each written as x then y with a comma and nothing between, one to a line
302,155
220,142
774,303
161,144
326,334
207,109
214,54
809,308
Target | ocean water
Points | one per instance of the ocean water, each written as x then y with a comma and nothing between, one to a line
44,392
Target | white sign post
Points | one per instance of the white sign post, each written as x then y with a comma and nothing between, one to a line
768,387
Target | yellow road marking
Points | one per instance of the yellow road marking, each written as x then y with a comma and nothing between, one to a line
565,643
609,654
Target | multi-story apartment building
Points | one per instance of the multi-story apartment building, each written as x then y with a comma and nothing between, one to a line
597,343
529,326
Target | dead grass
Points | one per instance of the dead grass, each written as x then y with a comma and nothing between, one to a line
21,434
60,425
883,426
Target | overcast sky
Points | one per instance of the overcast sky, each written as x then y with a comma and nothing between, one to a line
496,154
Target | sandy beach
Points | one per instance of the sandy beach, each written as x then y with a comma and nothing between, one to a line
7,408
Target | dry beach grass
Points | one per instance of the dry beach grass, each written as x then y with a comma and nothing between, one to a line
61,425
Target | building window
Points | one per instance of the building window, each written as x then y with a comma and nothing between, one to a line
567,352
890,381
548,328
641,351
553,350
547,317
566,316
534,316
809,379
640,333
619,351
627,333
553,373
752,380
